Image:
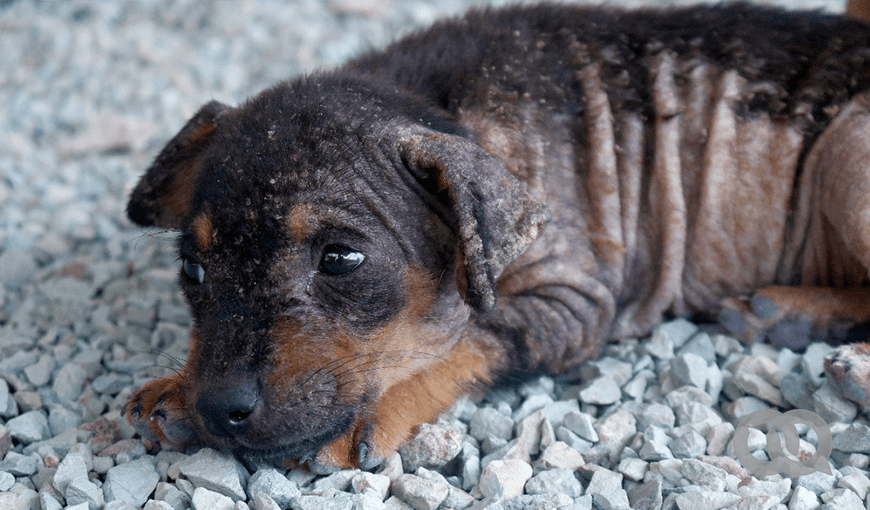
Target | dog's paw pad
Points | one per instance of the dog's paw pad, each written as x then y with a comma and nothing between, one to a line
848,368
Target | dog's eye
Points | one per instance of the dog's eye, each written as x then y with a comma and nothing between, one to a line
339,259
193,271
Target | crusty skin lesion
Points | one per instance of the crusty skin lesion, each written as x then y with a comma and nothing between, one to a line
526,184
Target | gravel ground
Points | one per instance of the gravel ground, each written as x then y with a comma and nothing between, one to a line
89,307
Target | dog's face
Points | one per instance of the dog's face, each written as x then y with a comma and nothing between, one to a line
320,259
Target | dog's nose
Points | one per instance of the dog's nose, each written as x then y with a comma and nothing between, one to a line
227,411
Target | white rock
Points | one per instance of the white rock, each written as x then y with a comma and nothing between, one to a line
705,500
275,485
214,471
803,499
204,499
504,479
420,493
560,455
372,484
153,504
72,466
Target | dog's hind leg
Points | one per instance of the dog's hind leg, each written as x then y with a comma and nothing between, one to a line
829,256
791,316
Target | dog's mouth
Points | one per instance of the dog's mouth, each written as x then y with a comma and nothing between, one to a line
298,447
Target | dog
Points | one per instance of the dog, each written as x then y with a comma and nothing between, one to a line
498,196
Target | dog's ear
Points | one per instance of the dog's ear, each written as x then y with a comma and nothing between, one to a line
493,216
162,197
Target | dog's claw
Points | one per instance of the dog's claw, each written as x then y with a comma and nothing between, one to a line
157,414
733,321
320,467
367,457
763,307
362,450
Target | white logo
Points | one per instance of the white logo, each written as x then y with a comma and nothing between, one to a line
778,462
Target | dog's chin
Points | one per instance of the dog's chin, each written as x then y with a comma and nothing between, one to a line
289,447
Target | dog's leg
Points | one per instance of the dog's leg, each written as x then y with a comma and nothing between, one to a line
831,248
795,316
405,405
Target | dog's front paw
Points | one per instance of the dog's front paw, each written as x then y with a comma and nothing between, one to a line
848,367
397,416
158,413
357,448
374,438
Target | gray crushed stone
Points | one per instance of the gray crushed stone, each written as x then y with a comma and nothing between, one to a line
90,309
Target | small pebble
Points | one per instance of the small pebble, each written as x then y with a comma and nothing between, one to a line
553,481
689,369
6,480
370,483
214,471
29,427
204,499
434,446
831,406
487,421
602,390
132,482
275,485
420,493
504,480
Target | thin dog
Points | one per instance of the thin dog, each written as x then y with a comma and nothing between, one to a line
498,196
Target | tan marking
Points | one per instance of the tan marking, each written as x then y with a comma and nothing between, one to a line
301,221
173,207
204,232
859,9
426,395
168,393
413,364
301,349
406,344
420,399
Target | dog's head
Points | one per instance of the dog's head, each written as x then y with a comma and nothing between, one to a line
334,239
